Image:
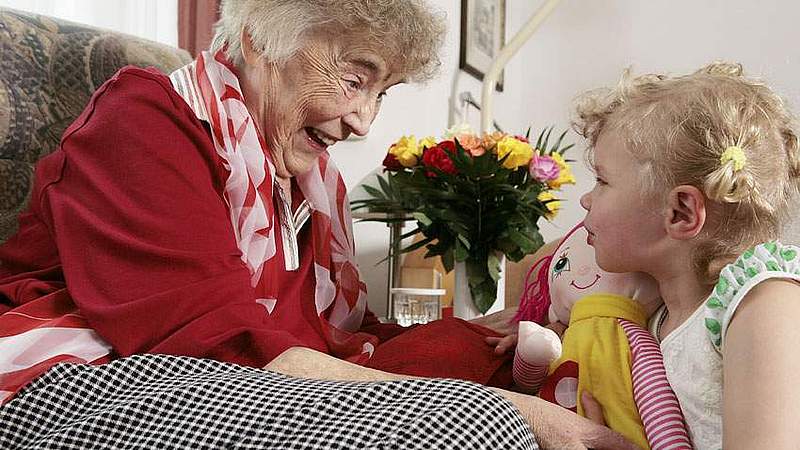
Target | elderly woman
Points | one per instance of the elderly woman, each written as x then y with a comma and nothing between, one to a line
198,215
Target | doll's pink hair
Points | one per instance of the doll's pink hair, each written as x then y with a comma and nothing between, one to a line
535,299
534,302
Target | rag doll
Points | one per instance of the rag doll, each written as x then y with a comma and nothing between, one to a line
606,348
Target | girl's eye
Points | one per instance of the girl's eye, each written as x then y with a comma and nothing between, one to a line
562,265
600,181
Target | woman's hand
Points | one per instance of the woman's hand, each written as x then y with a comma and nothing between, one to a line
557,428
304,362
501,321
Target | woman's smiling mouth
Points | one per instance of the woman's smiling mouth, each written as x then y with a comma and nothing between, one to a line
319,138
572,283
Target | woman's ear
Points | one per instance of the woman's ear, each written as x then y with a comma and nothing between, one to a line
686,212
249,53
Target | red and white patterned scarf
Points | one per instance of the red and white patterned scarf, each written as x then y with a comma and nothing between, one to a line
212,91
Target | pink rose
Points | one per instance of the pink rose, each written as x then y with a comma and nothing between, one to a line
544,168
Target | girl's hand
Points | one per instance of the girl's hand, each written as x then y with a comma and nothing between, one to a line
502,344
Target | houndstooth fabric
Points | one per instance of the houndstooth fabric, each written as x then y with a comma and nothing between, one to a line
160,401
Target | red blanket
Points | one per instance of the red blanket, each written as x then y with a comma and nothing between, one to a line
447,348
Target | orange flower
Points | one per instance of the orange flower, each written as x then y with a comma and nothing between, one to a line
471,144
490,140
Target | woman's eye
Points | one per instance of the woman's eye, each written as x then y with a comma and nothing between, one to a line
380,97
562,265
599,181
353,84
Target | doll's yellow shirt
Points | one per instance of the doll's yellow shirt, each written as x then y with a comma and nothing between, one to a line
596,341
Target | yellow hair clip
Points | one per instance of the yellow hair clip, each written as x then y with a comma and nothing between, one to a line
735,154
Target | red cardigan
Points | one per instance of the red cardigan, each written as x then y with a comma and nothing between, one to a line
127,220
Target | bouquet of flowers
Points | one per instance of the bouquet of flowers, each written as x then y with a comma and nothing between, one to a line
474,198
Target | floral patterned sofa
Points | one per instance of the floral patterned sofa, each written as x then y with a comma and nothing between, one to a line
49,69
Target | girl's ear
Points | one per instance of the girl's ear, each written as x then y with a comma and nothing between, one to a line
686,212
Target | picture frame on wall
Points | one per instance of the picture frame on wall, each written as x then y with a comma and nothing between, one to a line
483,31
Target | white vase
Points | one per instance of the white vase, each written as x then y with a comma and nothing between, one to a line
463,306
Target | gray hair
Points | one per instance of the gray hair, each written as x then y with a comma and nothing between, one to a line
408,33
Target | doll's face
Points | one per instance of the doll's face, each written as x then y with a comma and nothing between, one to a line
574,274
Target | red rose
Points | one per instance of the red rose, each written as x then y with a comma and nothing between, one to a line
439,157
391,163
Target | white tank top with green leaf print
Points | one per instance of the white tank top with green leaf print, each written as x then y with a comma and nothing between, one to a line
693,351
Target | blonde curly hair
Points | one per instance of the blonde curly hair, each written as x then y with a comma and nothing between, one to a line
678,127
408,33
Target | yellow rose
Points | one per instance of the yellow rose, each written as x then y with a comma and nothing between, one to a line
519,153
565,175
406,150
428,142
552,204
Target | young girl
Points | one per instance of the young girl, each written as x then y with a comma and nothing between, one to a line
694,180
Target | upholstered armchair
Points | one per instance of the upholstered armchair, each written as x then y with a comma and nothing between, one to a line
49,69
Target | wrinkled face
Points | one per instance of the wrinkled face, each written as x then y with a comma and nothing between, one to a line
574,274
623,225
330,88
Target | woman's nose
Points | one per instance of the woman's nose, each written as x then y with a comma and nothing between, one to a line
586,201
361,118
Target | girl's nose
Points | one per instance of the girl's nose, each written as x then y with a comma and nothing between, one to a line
583,270
586,201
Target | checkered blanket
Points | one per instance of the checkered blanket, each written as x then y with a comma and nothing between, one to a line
160,401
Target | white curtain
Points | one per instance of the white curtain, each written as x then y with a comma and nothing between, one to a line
151,19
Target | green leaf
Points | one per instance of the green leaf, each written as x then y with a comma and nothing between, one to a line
557,145
460,253
447,261
493,264
384,184
563,150
373,191
417,245
422,218
547,137
525,243
539,140
484,295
